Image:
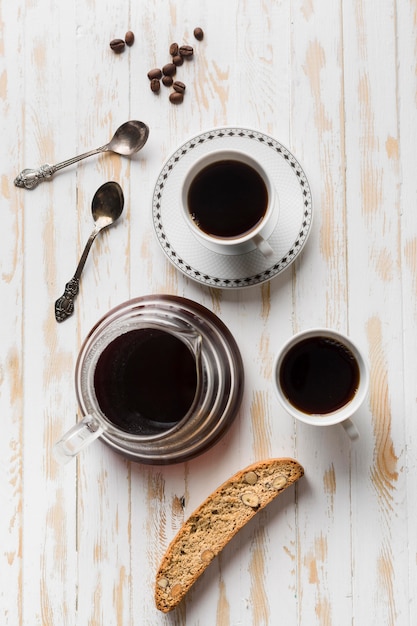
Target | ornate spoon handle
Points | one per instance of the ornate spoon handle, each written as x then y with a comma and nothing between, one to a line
29,178
64,306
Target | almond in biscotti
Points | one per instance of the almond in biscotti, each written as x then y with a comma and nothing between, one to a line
215,522
250,499
250,478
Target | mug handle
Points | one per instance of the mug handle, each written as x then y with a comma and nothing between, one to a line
350,429
78,437
263,246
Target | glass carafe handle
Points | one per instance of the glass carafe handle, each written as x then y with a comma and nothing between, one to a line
78,437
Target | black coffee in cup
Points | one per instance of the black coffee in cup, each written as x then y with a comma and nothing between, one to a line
145,381
227,199
319,375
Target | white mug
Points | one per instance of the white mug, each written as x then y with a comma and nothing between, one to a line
321,378
215,187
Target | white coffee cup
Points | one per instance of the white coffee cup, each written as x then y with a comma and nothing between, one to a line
321,378
229,173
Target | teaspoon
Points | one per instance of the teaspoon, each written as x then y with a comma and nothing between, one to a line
107,206
128,139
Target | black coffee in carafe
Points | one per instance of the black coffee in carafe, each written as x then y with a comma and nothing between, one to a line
145,381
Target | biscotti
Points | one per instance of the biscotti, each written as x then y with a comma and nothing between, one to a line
215,522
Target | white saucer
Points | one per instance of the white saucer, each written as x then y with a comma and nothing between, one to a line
190,255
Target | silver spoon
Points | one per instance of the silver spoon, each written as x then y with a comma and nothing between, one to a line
107,206
129,138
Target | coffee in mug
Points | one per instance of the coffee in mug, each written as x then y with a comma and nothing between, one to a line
319,375
229,203
321,378
227,199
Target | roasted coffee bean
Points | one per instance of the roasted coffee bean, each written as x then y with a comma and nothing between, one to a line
117,45
155,85
129,38
175,97
186,51
179,86
177,60
169,69
167,81
173,49
198,33
155,73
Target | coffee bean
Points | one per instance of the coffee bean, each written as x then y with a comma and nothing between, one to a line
179,86
129,38
177,60
173,49
169,69
117,45
155,85
198,33
155,73
175,97
167,81
186,51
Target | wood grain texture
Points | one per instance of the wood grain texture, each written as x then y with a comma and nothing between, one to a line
336,84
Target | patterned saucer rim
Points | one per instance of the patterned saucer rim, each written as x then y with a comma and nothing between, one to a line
205,142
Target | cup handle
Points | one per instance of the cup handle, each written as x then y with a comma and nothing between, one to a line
263,246
78,437
350,429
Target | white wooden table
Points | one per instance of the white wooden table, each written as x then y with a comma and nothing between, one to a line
336,83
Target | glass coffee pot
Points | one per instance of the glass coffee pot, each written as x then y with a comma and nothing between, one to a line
159,379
